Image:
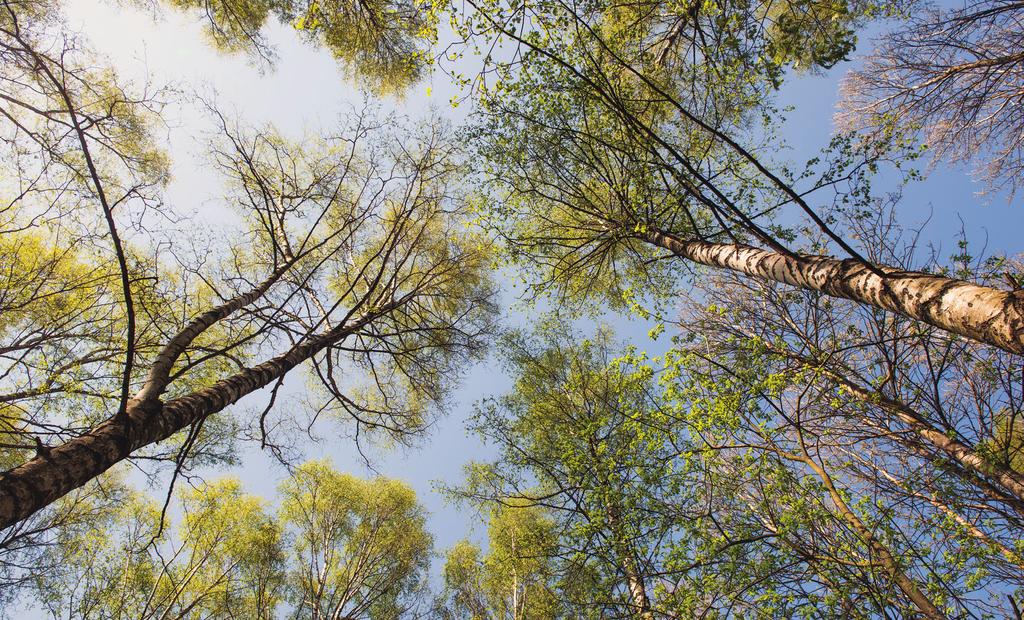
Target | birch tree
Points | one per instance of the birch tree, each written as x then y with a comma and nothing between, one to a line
350,258
875,406
360,547
515,579
338,547
224,561
597,162
581,437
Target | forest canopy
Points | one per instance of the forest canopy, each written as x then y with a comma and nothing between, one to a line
629,335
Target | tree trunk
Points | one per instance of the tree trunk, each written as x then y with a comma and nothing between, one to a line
634,580
889,563
955,450
57,471
981,313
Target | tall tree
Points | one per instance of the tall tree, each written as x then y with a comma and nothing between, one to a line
515,579
350,255
881,407
360,547
582,436
600,161
224,562
339,547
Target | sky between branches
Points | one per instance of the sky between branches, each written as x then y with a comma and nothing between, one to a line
305,92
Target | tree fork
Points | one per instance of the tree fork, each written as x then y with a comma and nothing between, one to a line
981,313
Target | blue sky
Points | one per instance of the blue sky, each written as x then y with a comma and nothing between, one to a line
305,91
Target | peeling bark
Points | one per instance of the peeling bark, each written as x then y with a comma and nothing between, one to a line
982,313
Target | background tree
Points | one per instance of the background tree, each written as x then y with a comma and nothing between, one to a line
581,436
339,547
360,547
384,44
954,76
515,579
225,561
726,478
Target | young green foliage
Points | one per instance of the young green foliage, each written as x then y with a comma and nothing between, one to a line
360,548
515,579
339,546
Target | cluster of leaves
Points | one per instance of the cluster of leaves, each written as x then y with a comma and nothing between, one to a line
385,44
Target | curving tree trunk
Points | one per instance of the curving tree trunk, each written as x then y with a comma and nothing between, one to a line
885,557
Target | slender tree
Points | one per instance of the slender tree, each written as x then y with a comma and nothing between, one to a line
726,479
360,547
583,436
515,579
225,561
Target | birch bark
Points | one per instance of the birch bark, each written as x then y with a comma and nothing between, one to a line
982,313
57,471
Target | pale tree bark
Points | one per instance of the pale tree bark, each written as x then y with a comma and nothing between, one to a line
641,604
982,313
955,450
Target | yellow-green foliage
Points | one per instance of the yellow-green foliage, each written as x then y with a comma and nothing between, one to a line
1006,446
514,578
810,33
338,542
97,571
358,545
43,279
382,42
234,552
59,319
